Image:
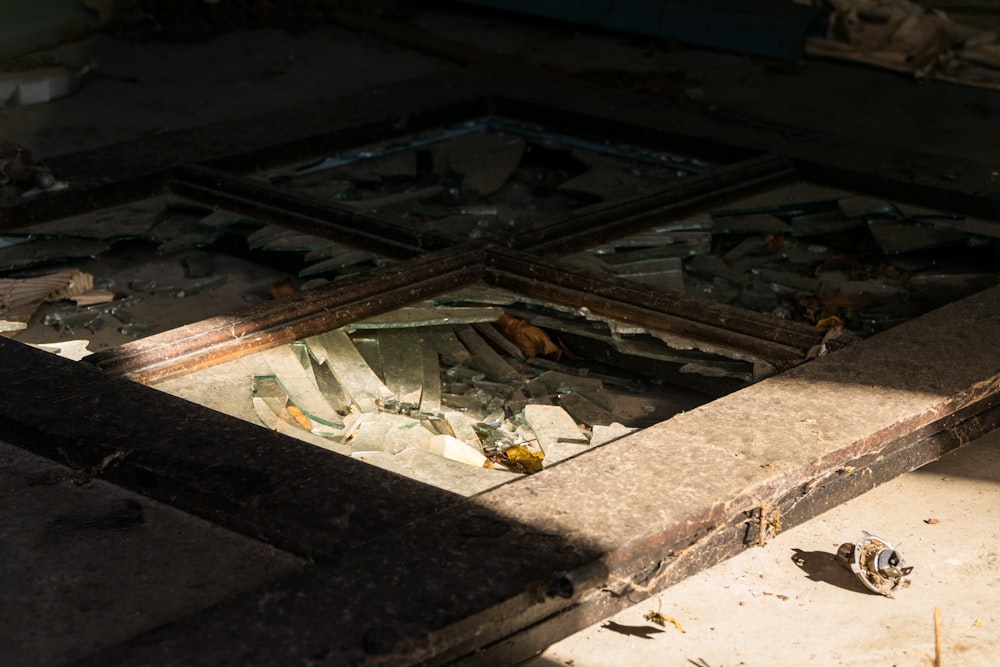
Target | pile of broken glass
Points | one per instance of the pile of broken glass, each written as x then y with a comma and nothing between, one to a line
839,260
464,391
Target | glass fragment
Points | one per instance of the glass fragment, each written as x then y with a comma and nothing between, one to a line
402,364
366,389
300,385
428,316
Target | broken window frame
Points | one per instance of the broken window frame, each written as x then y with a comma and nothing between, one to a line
495,605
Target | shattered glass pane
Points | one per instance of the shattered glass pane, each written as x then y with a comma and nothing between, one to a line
139,259
483,179
811,254
467,405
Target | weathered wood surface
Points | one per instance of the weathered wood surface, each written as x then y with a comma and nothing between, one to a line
306,314
633,302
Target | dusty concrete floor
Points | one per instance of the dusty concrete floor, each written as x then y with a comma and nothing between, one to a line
736,613
791,603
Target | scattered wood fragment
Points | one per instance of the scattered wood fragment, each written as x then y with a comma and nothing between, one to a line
21,297
905,37
937,636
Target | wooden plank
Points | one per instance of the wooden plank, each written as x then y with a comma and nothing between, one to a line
761,334
306,314
594,224
247,478
319,217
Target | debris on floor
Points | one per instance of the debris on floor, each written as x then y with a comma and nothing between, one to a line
875,563
838,261
70,349
482,179
20,169
20,298
912,38
37,80
143,254
662,619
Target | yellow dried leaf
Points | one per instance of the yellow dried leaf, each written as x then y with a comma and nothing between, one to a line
531,460
831,322
532,341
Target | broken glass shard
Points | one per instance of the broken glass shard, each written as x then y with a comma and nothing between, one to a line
430,395
748,246
654,245
716,267
259,237
454,449
338,262
366,390
293,241
374,433
759,223
286,362
798,252
198,265
483,356
484,177
943,287
788,210
366,343
137,329
859,206
584,410
504,344
191,288
732,369
198,238
73,319
462,428
130,221
828,222
446,343
695,222
218,219
44,251
551,424
558,382
430,316
788,280
402,364
895,237
330,387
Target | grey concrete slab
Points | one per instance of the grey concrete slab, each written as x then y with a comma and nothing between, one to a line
142,88
85,565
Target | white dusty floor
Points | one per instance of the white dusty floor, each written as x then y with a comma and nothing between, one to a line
762,608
